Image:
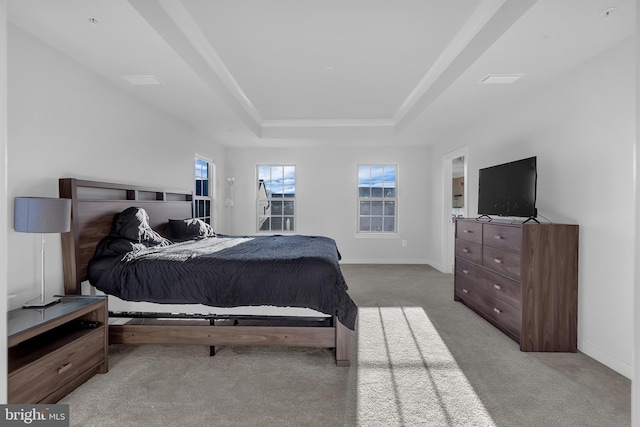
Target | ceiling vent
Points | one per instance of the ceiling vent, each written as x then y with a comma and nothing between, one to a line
501,78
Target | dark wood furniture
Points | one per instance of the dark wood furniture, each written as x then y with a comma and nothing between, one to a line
93,206
52,351
521,277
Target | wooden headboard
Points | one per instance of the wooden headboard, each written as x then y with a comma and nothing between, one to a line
93,207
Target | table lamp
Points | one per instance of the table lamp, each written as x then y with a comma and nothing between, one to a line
42,215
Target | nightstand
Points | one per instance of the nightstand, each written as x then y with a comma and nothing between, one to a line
52,351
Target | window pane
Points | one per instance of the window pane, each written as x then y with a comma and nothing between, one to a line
264,173
364,176
205,187
263,224
377,173
262,189
376,223
276,223
390,175
389,208
364,192
263,207
389,223
289,181
277,181
365,208
288,223
207,207
376,208
288,208
198,187
376,192
276,208
390,192
365,223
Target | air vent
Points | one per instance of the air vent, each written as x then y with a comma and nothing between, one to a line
142,80
500,78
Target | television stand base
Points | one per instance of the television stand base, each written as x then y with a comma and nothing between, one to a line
483,216
531,218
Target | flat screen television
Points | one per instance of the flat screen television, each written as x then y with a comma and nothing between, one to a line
508,189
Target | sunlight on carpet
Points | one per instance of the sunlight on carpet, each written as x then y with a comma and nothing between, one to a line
407,376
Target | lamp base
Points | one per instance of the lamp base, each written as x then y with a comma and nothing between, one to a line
40,303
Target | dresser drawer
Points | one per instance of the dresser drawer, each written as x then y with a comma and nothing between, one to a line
35,381
500,261
466,289
507,317
469,230
470,251
502,237
500,287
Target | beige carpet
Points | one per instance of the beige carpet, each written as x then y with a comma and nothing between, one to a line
420,359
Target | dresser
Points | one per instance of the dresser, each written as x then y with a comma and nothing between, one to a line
522,278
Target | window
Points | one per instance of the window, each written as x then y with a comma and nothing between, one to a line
377,199
276,197
202,199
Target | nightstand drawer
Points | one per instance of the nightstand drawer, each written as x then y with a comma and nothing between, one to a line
35,381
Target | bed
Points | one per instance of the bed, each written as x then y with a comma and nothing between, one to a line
257,305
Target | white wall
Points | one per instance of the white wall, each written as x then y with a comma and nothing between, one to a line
326,191
581,127
635,380
3,200
66,121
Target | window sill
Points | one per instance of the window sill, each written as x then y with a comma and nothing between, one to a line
377,236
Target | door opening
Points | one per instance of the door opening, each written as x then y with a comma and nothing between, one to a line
455,196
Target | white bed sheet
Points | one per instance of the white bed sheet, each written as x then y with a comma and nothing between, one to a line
116,304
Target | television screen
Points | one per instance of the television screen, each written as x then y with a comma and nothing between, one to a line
508,189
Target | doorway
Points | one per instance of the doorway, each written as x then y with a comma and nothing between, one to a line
455,196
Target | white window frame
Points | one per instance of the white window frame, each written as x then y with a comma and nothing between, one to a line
378,233
264,202
208,199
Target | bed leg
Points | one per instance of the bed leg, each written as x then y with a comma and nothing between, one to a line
343,344
212,348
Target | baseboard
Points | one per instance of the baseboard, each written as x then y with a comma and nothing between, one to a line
383,261
606,358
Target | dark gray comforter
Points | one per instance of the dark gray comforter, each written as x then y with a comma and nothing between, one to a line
227,271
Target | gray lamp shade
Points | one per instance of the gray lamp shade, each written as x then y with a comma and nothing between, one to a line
42,215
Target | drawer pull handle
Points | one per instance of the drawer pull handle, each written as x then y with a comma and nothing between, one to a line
465,250
465,271
64,368
497,261
497,237
497,310
498,287
467,231
465,291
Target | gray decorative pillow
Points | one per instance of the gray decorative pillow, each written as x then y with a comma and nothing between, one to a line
133,224
188,229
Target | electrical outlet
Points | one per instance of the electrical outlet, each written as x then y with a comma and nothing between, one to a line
404,243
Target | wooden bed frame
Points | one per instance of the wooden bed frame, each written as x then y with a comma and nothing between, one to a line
93,206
